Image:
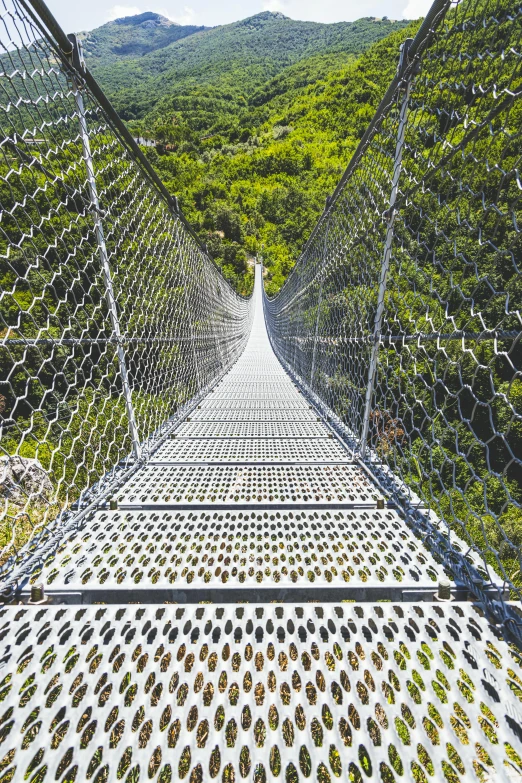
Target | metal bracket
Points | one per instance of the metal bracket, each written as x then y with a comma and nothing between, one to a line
76,57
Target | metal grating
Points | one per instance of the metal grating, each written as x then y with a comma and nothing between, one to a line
253,403
235,413
254,429
151,551
281,378
248,369
418,692
251,450
279,485
251,384
289,399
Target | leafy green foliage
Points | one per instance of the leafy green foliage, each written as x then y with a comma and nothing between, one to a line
218,69
253,123
269,163
132,36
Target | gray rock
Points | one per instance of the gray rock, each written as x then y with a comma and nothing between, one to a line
23,479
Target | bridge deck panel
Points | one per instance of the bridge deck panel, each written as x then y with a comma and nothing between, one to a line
234,689
251,485
151,551
233,413
250,450
255,429
264,403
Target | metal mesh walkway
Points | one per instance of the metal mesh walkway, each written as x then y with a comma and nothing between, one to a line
263,516
217,571
241,516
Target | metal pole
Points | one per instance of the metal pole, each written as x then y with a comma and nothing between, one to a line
385,265
189,317
102,249
295,336
217,341
217,335
319,302
193,341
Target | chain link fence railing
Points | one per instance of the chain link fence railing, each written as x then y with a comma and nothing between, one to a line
112,317
403,315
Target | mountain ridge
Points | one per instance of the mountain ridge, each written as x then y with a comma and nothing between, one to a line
252,123
147,16
132,36
258,183
229,59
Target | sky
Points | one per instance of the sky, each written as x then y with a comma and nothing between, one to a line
77,16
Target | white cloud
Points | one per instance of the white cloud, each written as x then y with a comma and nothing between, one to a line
416,8
185,16
117,11
274,6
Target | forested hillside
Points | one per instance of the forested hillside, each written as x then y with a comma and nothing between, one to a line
217,70
254,122
132,36
258,183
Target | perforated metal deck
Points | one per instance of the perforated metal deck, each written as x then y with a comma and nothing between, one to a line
260,414
252,404
258,693
251,450
249,485
171,554
256,429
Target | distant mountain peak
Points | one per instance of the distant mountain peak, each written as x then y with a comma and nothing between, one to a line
147,19
133,36
273,14
268,15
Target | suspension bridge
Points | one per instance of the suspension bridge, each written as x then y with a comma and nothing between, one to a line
263,538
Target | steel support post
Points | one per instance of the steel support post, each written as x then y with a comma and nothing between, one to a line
189,316
193,343
385,265
319,302
294,366
102,250
217,335
217,341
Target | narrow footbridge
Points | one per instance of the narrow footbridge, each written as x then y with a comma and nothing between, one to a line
253,497
254,538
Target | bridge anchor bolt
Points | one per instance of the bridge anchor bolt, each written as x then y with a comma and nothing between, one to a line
444,590
37,595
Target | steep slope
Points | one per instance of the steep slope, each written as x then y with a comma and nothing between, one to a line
132,36
261,187
256,121
220,67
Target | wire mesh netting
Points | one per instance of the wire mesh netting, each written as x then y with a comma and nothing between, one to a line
112,317
403,313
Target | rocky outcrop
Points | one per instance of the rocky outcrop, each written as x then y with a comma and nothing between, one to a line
23,479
